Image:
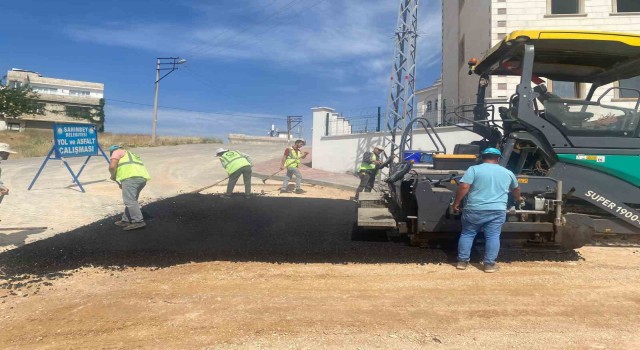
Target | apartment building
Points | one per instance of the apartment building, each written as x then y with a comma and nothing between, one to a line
59,100
471,27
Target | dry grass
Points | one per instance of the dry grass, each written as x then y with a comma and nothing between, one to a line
36,143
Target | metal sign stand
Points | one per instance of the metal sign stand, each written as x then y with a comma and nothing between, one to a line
66,164
56,154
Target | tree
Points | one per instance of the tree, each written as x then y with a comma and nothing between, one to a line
17,101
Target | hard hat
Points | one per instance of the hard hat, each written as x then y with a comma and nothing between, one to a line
221,150
493,151
113,148
4,147
378,147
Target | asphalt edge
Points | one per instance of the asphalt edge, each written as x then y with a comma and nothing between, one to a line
262,176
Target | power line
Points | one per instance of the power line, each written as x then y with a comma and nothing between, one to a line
205,48
195,47
209,84
282,20
197,111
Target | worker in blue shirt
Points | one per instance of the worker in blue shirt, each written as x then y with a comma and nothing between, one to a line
486,188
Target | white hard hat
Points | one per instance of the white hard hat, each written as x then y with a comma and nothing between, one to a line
4,147
221,150
378,147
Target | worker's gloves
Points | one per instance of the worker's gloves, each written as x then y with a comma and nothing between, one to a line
521,203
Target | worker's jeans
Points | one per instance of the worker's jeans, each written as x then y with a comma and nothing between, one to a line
490,221
131,189
245,171
290,173
367,180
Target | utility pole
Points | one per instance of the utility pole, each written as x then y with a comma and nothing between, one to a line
292,122
162,64
400,102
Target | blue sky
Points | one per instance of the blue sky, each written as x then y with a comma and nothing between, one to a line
250,62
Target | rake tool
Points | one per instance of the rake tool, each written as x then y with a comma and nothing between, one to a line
264,181
208,187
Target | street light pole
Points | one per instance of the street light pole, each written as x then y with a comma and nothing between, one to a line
171,64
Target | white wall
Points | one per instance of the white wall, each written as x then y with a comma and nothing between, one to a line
342,154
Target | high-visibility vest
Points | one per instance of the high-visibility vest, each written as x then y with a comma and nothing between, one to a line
369,166
293,159
232,161
131,166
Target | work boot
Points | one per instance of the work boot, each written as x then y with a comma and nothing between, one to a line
122,223
284,190
491,268
299,191
225,196
462,265
135,226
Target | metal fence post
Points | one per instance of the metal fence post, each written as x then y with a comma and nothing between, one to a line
326,130
378,128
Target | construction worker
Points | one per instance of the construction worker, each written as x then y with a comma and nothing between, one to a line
5,151
236,164
131,175
369,169
486,188
291,161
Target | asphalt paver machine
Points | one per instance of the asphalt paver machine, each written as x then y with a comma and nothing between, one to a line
577,160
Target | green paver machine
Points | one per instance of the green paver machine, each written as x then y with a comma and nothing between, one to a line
577,160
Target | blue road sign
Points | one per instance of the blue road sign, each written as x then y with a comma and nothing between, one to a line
72,140
75,140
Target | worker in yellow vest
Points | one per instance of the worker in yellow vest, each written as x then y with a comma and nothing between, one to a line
291,161
369,169
128,170
236,164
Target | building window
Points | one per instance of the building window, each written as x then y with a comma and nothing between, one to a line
461,54
632,83
14,84
502,0
500,36
565,89
502,23
429,105
45,90
626,6
37,108
78,93
435,105
13,126
564,7
502,11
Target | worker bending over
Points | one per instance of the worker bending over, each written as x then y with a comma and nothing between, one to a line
5,151
291,161
236,164
486,188
128,170
369,169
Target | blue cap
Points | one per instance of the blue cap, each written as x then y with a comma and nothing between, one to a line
492,150
113,148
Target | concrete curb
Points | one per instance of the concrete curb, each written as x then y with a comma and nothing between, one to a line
308,181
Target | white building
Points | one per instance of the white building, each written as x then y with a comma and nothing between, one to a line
471,27
59,100
428,103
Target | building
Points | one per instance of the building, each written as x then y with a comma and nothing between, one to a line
59,100
471,27
429,101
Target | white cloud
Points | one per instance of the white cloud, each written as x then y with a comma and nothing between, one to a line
290,33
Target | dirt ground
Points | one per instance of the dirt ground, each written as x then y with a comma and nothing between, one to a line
285,271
